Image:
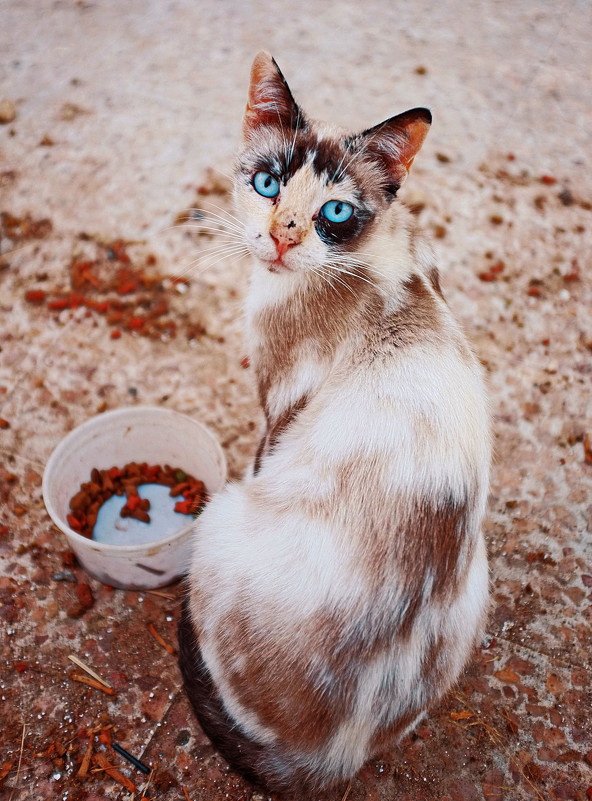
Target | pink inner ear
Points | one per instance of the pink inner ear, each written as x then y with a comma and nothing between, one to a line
416,131
260,71
270,100
398,140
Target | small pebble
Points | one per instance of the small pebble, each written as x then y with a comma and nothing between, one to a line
65,575
7,112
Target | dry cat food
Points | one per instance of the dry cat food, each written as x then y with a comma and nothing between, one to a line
103,484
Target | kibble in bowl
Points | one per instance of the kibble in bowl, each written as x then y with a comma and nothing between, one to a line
155,441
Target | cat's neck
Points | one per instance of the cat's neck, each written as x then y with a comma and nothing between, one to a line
393,252
297,321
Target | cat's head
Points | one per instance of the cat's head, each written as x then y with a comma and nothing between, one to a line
310,195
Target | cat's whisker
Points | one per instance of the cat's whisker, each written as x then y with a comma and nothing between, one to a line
224,174
355,274
329,282
367,255
295,134
230,249
357,153
370,269
192,265
337,173
214,224
225,250
219,247
331,277
197,224
219,259
226,216
222,252
217,231
201,216
284,140
354,261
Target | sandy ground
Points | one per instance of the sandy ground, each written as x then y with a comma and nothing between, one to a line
120,111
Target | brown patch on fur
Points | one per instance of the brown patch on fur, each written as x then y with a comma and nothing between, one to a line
424,540
279,685
415,320
442,531
434,279
276,429
242,753
389,734
259,455
428,544
284,421
431,657
321,315
326,155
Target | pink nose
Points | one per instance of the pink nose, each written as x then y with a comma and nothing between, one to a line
282,245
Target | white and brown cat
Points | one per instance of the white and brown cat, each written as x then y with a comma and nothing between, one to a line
339,589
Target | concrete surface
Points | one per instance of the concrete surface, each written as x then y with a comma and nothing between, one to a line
121,108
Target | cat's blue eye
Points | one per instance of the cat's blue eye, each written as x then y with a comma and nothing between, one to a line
266,184
337,211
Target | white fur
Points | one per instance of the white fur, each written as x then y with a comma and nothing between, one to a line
284,546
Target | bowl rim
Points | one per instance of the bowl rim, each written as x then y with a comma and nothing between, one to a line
120,550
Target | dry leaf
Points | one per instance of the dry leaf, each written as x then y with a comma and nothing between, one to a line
464,714
507,674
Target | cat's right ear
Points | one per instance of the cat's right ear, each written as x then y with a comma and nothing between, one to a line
397,141
270,100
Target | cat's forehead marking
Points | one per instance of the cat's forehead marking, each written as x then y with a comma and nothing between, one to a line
284,154
336,157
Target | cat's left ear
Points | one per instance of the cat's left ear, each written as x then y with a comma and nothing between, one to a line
270,99
398,140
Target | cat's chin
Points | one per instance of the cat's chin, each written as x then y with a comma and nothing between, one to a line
276,267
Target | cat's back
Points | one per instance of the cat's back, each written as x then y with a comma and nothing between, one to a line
403,386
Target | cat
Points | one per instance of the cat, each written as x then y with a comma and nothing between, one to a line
336,593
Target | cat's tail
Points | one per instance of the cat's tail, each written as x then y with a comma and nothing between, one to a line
242,754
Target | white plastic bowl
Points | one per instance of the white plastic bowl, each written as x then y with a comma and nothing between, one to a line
140,434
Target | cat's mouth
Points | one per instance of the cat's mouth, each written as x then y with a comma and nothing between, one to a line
278,266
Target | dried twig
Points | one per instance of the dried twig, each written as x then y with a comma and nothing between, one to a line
462,715
83,772
98,685
102,761
496,738
186,793
18,770
90,671
168,595
349,786
167,646
147,785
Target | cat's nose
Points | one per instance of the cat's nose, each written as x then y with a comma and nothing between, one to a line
283,244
